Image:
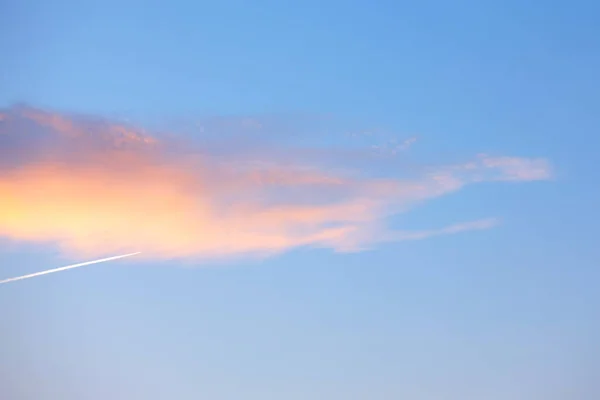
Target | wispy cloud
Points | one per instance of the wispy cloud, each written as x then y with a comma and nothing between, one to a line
481,224
393,146
518,169
94,187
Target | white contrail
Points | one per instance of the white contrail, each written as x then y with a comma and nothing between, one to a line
50,271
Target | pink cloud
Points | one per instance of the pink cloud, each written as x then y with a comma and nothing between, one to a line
92,187
518,169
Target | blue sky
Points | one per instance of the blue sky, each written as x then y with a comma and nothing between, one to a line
509,312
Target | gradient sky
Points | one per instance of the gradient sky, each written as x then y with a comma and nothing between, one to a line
310,301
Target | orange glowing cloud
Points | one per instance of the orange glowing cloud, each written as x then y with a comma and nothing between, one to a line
94,188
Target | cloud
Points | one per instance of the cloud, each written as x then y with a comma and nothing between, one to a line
93,187
407,143
518,169
392,147
481,224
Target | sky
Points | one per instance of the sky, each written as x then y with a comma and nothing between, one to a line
332,200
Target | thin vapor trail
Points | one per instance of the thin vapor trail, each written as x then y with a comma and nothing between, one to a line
50,271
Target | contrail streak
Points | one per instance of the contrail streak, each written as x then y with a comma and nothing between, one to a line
50,271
